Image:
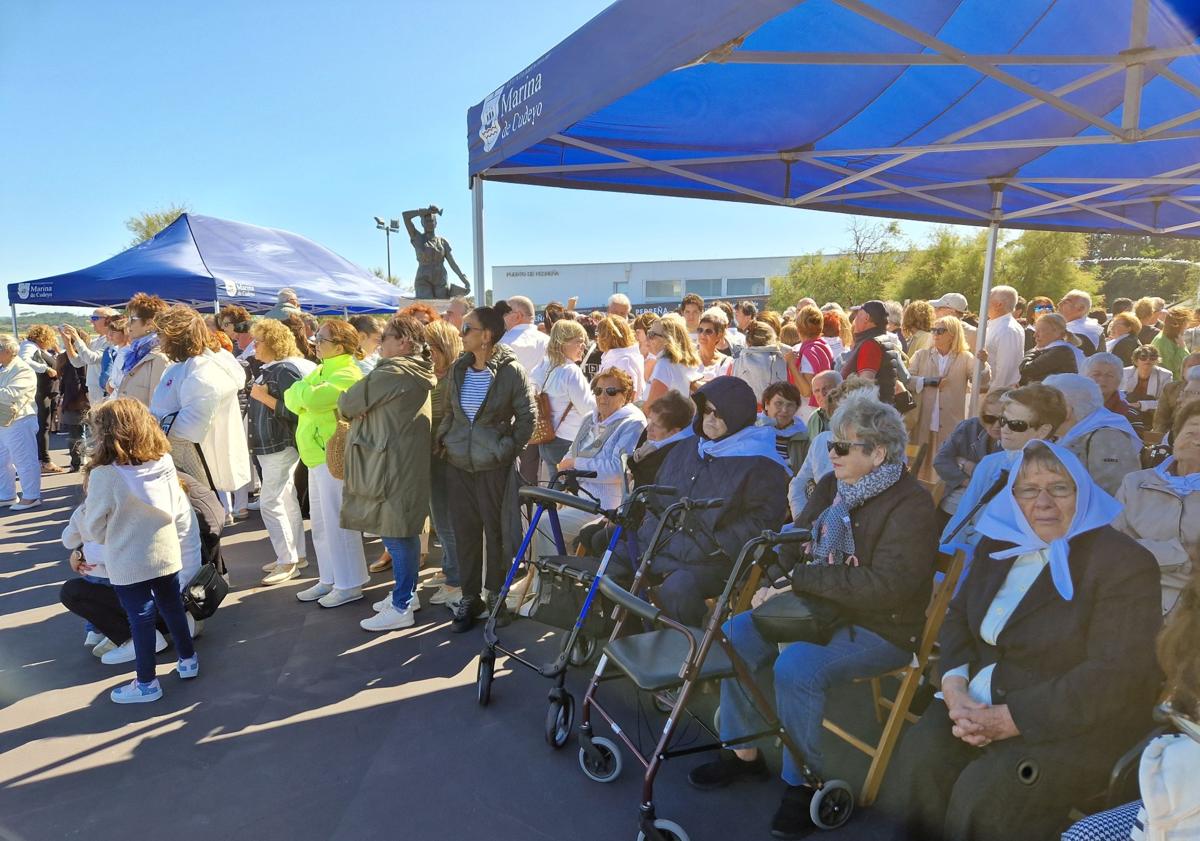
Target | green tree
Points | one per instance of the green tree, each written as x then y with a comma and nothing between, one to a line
1045,263
1128,266
148,223
868,269
945,264
379,273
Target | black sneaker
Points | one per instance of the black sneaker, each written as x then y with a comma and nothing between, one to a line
792,819
726,769
504,617
466,612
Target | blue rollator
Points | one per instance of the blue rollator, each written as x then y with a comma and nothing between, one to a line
569,585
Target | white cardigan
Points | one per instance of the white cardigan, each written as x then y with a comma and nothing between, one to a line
203,392
1159,379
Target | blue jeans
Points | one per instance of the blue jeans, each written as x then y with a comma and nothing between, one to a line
439,512
139,601
800,676
406,563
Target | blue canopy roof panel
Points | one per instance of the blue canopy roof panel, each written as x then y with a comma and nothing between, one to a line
199,260
1077,114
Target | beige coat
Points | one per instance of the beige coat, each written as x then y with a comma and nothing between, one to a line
140,383
1166,524
951,397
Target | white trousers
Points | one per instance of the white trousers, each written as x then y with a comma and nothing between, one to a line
279,507
340,557
19,459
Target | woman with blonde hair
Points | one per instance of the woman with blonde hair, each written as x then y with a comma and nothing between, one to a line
641,331
314,399
942,377
560,378
135,507
445,346
620,350
677,364
272,432
915,324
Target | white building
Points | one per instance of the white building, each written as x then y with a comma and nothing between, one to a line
654,282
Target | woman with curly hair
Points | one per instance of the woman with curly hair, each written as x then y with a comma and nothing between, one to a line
916,324
144,364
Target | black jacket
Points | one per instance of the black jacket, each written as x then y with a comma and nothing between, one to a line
895,541
273,430
1039,364
502,426
645,470
1125,347
1067,669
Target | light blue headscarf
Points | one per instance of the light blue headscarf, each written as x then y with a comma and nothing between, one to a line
1102,419
751,441
1003,519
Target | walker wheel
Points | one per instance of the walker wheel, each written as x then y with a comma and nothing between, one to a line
608,768
667,831
582,651
483,678
560,716
832,805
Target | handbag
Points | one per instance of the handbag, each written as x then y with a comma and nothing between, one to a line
205,592
335,447
792,617
544,426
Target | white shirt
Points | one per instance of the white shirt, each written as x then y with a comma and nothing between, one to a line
528,343
627,359
1005,345
28,350
1025,571
566,386
1089,327
674,375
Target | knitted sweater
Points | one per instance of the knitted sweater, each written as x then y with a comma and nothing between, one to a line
138,514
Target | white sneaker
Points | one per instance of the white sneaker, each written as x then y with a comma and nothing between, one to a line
103,647
436,580
302,563
93,639
315,592
8,503
25,505
126,654
281,573
446,595
389,619
253,505
414,603
337,598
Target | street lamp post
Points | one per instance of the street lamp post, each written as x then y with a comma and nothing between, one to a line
388,228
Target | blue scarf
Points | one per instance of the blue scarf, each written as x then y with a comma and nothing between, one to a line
1181,485
138,351
1004,520
751,441
833,540
796,428
1100,419
686,432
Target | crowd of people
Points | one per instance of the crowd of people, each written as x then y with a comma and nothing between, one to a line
1059,454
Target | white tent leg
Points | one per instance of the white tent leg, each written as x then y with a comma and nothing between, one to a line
989,268
16,333
216,307
477,237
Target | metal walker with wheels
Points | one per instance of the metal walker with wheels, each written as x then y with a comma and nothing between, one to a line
576,573
674,656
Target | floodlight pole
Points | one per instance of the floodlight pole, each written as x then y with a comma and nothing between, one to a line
989,268
477,236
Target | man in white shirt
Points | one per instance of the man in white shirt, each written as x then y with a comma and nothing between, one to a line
1074,307
952,303
522,336
456,311
619,305
98,355
1005,339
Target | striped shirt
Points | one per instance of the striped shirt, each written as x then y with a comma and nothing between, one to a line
474,390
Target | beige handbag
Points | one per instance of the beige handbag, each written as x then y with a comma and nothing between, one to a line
544,425
335,450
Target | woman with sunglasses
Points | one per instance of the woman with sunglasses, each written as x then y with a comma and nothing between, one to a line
876,572
313,400
1038,306
709,335
1147,384
943,374
1047,665
971,442
489,419
143,366
1056,350
560,377
677,364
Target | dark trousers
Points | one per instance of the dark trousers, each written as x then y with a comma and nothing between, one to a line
680,591
43,433
98,604
140,601
75,443
476,506
939,788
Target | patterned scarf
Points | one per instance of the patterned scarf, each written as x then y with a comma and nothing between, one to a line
833,541
138,351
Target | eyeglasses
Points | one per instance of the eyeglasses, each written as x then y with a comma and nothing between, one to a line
937,331
990,420
95,317
653,335
1043,308
1015,425
611,390
319,338
842,448
467,328
1059,490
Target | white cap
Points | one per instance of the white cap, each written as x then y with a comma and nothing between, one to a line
951,300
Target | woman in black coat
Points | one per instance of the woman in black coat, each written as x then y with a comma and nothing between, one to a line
1056,351
1047,660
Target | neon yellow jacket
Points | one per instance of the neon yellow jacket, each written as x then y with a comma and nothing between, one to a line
313,400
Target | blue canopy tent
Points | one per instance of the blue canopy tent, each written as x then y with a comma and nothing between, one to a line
203,261
1079,115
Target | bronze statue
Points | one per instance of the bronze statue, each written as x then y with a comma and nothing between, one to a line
432,254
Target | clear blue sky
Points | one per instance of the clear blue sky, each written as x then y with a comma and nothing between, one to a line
312,117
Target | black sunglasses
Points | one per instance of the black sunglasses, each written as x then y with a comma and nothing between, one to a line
842,448
937,331
1015,425
706,331
610,390
988,420
467,328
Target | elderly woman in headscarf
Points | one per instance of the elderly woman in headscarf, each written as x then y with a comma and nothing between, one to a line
878,576
1048,671
1104,441
731,459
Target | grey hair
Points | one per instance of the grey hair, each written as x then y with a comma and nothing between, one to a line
9,343
1109,359
1079,295
521,304
1083,395
1006,295
287,294
717,316
619,299
874,423
895,312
